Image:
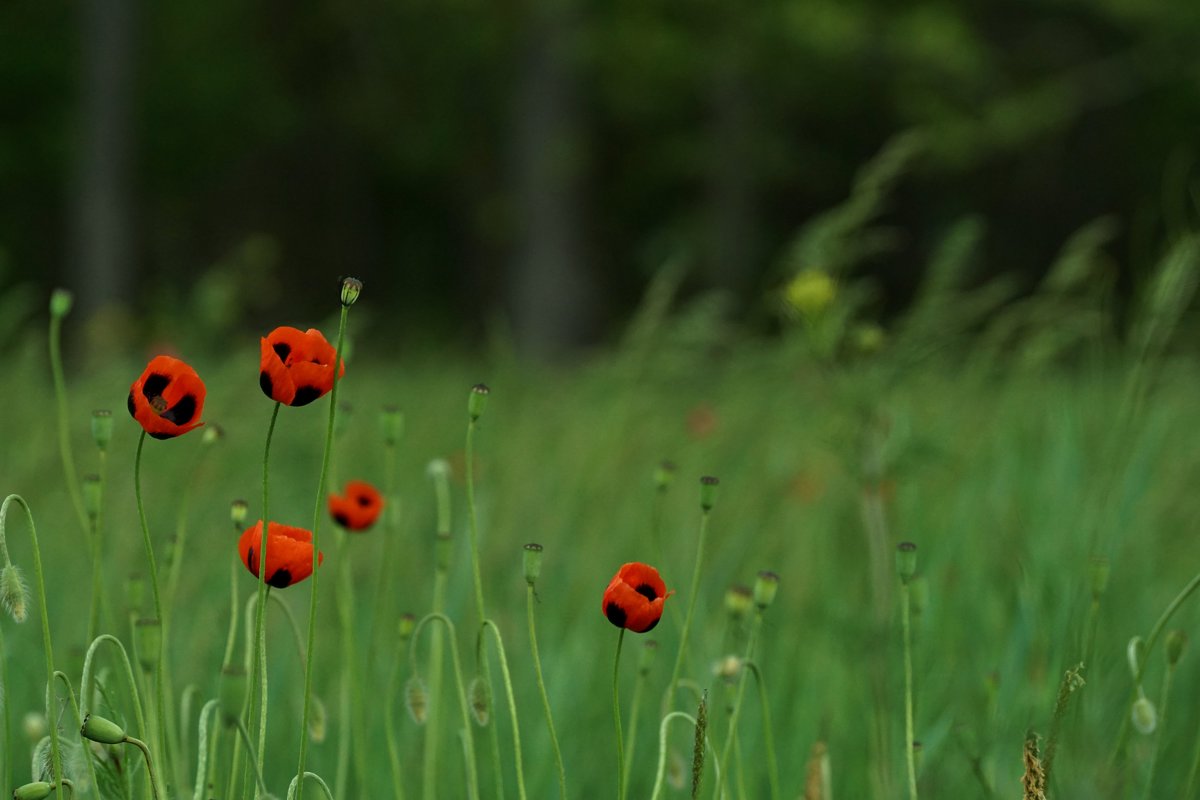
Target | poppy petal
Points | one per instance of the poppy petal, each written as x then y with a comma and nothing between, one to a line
273,376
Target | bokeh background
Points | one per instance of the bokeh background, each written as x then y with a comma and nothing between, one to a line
524,168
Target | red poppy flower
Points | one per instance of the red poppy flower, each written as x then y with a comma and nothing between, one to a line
297,367
289,553
358,509
634,598
167,399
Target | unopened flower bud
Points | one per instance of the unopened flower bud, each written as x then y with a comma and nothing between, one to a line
738,601
351,289
14,594
34,725
443,549
480,696
318,721
61,301
391,425
416,699
238,510
147,642
92,494
708,492
533,562
664,473
438,468
1098,570
33,791
232,692
477,401
102,428
765,589
213,433
405,627
1144,716
1176,641
906,561
728,667
102,730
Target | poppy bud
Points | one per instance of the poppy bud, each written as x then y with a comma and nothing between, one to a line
708,492
533,562
147,642
391,425
1144,716
91,496
135,590
906,561
1098,570
477,400
664,473
102,428
634,598
14,594
727,667
1176,640
238,510
33,791
318,721
443,549
647,658
61,301
213,433
358,507
765,588
232,692
408,623
480,696
416,699
351,289
34,725
738,601
438,468
102,730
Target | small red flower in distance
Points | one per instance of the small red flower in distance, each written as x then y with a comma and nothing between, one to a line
289,553
634,598
296,367
167,399
358,509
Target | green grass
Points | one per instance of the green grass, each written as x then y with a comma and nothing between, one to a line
1009,480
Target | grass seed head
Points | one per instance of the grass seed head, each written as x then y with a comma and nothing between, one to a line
14,593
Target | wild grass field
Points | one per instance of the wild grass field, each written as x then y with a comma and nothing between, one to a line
1042,466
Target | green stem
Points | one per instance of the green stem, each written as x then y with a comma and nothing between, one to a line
389,720
85,683
908,691
231,637
635,708
541,684
260,639
512,704
312,776
62,678
687,622
96,525
7,762
617,717
468,740
436,657
735,715
316,556
202,750
260,784
1162,723
51,694
768,735
64,439
662,751
139,744
473,525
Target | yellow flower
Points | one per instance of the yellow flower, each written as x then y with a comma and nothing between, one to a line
810,292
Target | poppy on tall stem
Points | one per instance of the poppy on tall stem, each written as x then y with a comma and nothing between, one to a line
357,508
633,601
167,400
291,559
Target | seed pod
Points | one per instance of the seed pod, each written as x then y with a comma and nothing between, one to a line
318,721
351,289
533,562
33,791
102,730
477,401
906,561
708,492
738,601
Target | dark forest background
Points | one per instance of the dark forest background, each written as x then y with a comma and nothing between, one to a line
527,166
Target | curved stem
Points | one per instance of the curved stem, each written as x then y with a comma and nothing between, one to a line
669,697
62,678
617,717
541,684
512,704
149,763
258,777
51,695
64,439
662,751
468,740
85,683
260,640
313,777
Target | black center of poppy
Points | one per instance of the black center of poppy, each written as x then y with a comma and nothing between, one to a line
282,349
647,591
615,614
305,395
281,579
341,519
251,564
182,412
363,500
154,385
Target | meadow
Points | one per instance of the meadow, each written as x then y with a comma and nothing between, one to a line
1041,464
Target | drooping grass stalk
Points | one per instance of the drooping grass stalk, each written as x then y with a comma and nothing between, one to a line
910,753
768,735
468,740
512,702
312,776
635,708
260,640
51,694
316,531
60,306
662,751
1072,680
707,493
541,684
617,717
